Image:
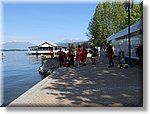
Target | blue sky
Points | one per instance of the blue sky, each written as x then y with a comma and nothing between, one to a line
53,22
46,22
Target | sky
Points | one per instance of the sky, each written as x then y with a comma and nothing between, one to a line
53,22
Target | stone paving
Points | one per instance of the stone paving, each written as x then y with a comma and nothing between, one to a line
87,86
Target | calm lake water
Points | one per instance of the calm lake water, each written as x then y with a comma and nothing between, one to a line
20,73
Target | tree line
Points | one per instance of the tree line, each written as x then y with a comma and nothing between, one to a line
109,18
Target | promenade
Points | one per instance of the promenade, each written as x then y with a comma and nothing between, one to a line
87,86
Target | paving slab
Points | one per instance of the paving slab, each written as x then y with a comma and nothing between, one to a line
87,85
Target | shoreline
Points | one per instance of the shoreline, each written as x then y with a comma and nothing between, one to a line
98,86
49,67
33,89
22,77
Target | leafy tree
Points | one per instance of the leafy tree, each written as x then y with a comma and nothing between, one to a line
109,18
119,17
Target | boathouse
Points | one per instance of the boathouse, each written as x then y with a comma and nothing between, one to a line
46,48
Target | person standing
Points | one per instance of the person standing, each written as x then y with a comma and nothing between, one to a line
84,56
110,54
78,55
94,54
72,57
65,60
61,57
68,55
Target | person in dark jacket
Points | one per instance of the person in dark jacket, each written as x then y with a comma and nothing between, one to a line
71,56
94,54
61,57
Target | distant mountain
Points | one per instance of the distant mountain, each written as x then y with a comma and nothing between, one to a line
66,42
69,41
16,45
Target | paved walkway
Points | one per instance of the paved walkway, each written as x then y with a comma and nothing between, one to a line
87,86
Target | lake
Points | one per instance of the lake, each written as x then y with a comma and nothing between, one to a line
20,73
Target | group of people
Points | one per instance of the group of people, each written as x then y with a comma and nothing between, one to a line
80,55
67,59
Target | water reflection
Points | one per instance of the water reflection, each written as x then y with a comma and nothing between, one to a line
34,59
2,56
20,73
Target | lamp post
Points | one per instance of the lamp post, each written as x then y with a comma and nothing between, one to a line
128,5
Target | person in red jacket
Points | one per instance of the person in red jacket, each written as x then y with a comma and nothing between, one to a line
79,55
110,54
84,56
61,57
67,59
65,63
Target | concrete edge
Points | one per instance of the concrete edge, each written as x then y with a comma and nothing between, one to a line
34,88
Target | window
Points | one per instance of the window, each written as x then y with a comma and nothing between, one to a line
50,48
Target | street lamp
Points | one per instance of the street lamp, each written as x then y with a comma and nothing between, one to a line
128,4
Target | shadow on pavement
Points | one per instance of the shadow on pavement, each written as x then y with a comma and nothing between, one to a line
98,86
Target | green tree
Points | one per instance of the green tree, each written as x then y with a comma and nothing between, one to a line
136,13
109,18
96,26
118,17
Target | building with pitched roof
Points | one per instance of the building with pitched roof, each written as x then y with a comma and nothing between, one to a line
46,48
